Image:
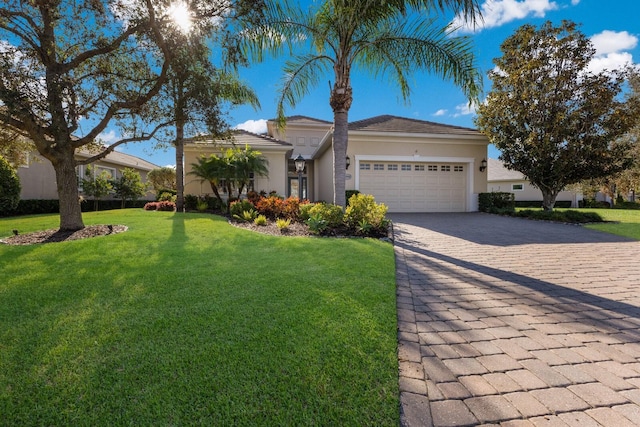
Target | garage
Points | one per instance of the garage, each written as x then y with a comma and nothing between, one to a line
416,186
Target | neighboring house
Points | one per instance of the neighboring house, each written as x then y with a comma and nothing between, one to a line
38,178
410,165
501,179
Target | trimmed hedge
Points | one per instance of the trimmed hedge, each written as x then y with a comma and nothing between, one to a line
47,206
564,204
496,202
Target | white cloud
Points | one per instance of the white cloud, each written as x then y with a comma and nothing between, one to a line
610,50
440,112
255,126
464,110
499,12
610,41
108,137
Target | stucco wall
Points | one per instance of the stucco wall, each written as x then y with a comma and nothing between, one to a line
38,178
276,181
529,192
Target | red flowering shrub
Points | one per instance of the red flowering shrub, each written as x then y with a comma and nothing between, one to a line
164,205
271,207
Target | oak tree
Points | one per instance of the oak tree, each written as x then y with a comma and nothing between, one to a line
553,119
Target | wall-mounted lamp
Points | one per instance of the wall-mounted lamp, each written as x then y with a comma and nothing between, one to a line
483,165
348,160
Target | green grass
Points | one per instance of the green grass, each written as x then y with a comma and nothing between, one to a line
622,222
627,222
184,319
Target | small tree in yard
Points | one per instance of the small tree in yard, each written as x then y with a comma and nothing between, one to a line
162,179
96,186
555,121
129,186
9,187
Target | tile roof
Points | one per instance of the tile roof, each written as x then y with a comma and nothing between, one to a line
306,118
496,171
388,123
243,137
123,159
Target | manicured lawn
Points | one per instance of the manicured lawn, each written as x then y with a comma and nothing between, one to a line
627,222
184,319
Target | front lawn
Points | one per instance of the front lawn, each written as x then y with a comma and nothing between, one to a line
627,222
185,319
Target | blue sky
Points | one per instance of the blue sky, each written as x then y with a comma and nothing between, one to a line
612,25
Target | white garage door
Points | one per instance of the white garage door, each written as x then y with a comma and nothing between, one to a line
416,187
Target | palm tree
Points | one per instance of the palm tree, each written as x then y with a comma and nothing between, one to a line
212,169
232,168
391,38
247,162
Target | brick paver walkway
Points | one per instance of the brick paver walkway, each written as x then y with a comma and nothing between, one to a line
505,321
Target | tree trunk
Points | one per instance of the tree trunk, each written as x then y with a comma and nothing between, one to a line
341,97
340,142
179,170
548,199
67,183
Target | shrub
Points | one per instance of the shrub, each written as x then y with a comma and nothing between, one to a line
317,224
191,202
202,205
9,188
271,207
246,216
571,216
331,213
260,220
350,193
253,197
495,202
166,197
626,205
365,215
160,206
237,208
304,213
283,223
291,208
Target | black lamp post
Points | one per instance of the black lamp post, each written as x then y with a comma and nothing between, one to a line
299,162
483,165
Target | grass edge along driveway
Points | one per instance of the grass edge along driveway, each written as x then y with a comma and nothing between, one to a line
185,319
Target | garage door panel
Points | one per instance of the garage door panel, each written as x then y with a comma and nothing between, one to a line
429,187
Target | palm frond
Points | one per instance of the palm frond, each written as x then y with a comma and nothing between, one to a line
302,73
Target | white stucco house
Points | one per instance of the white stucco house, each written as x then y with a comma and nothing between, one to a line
410,165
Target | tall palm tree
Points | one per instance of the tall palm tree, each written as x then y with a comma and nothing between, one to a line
392,38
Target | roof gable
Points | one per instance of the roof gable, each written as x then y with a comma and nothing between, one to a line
388,123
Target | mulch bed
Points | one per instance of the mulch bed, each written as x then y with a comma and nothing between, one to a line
55,235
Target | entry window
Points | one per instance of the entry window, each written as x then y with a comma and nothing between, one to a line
432,168
458,168
445,168
365,166
406,167
392,167
378,167
517,187
419,168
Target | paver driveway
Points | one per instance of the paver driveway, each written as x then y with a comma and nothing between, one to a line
506,321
